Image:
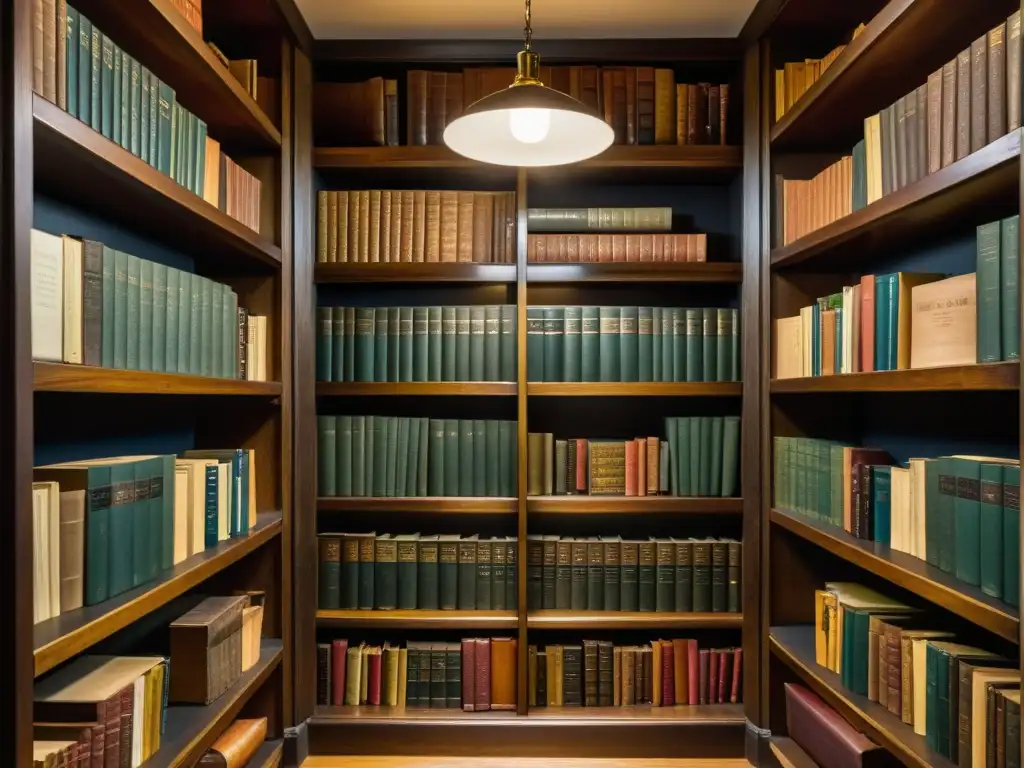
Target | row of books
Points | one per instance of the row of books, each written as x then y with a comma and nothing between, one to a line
794,78
392,456
609,573
572,249
643,105
894,654
476,675
409,226
663,673
617,219
386,572
700,457
632,344
103,526
959,513
192,11
93,305
382,344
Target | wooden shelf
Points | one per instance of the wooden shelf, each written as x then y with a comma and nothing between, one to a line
471,505
645,715
415,388
633,505
191,730
794,646
634,389
59,377
896,52
967,378
588,620
419,272
269,755
76,163
789,754
909,572
632,272
484,620
957,194
402,716
155,33
59,639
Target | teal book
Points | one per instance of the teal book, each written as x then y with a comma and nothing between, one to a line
217,334
507,346
154,124
229,324
554,328
656,315
571,344
709,336
402,457
157,519
506,458
158,353
324,343
645,344
380,455
185,322
535,344
451,457
195,340
492,458
393,352
413,461
327,456
107,87
163,489
466,459
1009,297
448,344
187,146
723,346
696,365
989,289
477,343
420,344
462,345
694,455
343,456
934,660
173,302
381,345
165,103
990,527
881,503
145,315
479,458
609,344
135,109
364,346
715,456
467,572
71,62
385,576
145,82
405,343
435,458
492,343
687,483
590,344
206,328
671,432
141,524
336,318
95,84
133,299
84,58
107,323
945,513
734,348
1011,534
967,520
859,182
882,292
124,94
122,513
120,339
391,456
365,485
628,349
686,367
350,343
423,465
668,343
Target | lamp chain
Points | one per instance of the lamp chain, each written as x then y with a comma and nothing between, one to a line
528,30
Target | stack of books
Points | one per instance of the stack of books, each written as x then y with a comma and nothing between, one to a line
476,675
663,673
93,305
632,344
409,226
386,572
391,456
700,457
796,77
382,344
609,573
584,249
958,513
103,526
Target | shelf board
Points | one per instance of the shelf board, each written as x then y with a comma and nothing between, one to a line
418,272
789,754
956,194
794,646
643,715
633,505
898,49
633,272
634,389
399,716
59,377
57,640
472,505
74,162
191,730
267,756
588,620
967,378
156,34
485,620
908,572
415,388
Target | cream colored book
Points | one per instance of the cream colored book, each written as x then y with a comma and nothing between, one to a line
211,180
52,514
918,546
789,348
47,296
40,556
223,501
138,709
252,627
72,549
899,506
980,679
403,676
873,145
73,339
252,488
182,510
197,506
906,282
920,686
944,323
391,663
353,675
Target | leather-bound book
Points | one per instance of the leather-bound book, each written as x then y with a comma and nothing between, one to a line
590,91
682,114
632,112
437,83
979,93
703,659
481,675
645,106
997,82
206,650
825,736
453,97
349,114
469,675
605,673
417,98
237,744
590,673
391,131
668,680
723,114
963,104
713,130
1013,65
737,677
81,734
724,662
339,653
621,107
503,673
572,676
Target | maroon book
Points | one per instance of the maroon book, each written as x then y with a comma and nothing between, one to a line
737,667
339,653
373,685
703,699
482,673
468,675
668,674
692,672
723,666
712,677
127,725
826,737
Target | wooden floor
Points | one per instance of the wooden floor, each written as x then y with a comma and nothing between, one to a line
382,761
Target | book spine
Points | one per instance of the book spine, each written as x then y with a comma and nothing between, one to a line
646,576
628,344
1009,297
420,344
989,293
609,344
554,325
572,348
535,346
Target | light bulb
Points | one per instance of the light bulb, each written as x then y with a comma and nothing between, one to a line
529,126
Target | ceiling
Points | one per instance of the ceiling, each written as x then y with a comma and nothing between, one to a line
503,19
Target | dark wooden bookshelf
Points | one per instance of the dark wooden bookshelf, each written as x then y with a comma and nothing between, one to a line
417,272
191,730
474,505
789,754
591,620
402,715
60,377
269,755
482,620
636,272
911,573
415,388
633,505
645,714
794,646
76,163
955,378
634,389
58,639
959,193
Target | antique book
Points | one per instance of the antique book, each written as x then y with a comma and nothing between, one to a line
944,323
503,673
349,114
235,747
206,650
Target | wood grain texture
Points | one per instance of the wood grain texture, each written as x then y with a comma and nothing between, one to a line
632,272
634,389
990,376
482,620
522,431
267,756
726,714
72,162
57,640
590,620
423,389
908,572
417,272
402,761
794,646
633,505
58,377
789,754
476,505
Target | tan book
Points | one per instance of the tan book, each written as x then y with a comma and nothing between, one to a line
944,323
354,254
551,676
322,226
390,682
664,106
85,682
419,225
464,230
449,233
353,675
909,685
364,226
682,114
72,310
1013,65
629,660
531,676
997,82
656,670
337,237
373,232
482,206
432,247
981,717
873,158
408,217
617,676
395,225
386,256
403,676
787,351
979,93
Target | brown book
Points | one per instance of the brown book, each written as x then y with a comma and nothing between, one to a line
963,104
1013,65
632,121
62,52
419,223
38,43
464,232
49,22
894,669
237,744
406,230
607,96
453,97
385,226
483,219
723,114
628,675
418,87
997,82
349,114
713,129
482,675
364,225
510,228
941,105
390,112
449,231
621,107
436,108
503,673
828,342
373,230
206,650
589,87
682,114
645,113
353,227
901,145
432,225
395,226
979,93
664,106
590,673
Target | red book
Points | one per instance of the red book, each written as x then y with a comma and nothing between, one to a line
867,323
631,467
468,670
640,445
618,247
703,692
373,686
541,249
127,723
668,674
482,695
658,248
339,652
581,465
701,253
693,672
723,665
737,666
712,677
604,248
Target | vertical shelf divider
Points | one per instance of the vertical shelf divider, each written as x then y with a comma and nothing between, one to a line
522,670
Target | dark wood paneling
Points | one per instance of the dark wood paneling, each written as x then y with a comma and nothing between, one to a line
635,389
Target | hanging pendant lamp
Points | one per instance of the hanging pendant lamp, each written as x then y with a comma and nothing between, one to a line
528,124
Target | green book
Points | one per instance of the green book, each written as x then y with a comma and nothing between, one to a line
507,458
391,456
710,344
731,455
158,323
420,344
380,456
628,349
507,345
479,458
967,520
217,333
684,457
324,343
188,148
107,322
142,552
665,576
645,344
554,342
715,456
360,457
407,546
612,570
734,348
364,344
434,356
172,320
701,576
466,458
412,464
343,456
462,344
405,344
944,510
71,62
491,458
350,344
693,345
682,360
451,457
133,311
195,342
1011,534
684,576
590,344
120,329
95,86
162,495
326,447
656,336
671,427
122,514
492,343
190,291
84,59
402,457
990,525
563,575
549,563
535,344
135,109
448,344
723,345
571,347
107,87
668,344
423,464
335,316
381,363
154,124
629,584
499,574
989,282
145,329
484,574
646,573
426,573
511,569
206,329
884,343
1009,296
385,573
694,455
329,573
477,342
448,572
125,94
467,573
393,351
165,104
435,462
367,550
609,344
145,83
595,574
369,443
348,599
578,575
